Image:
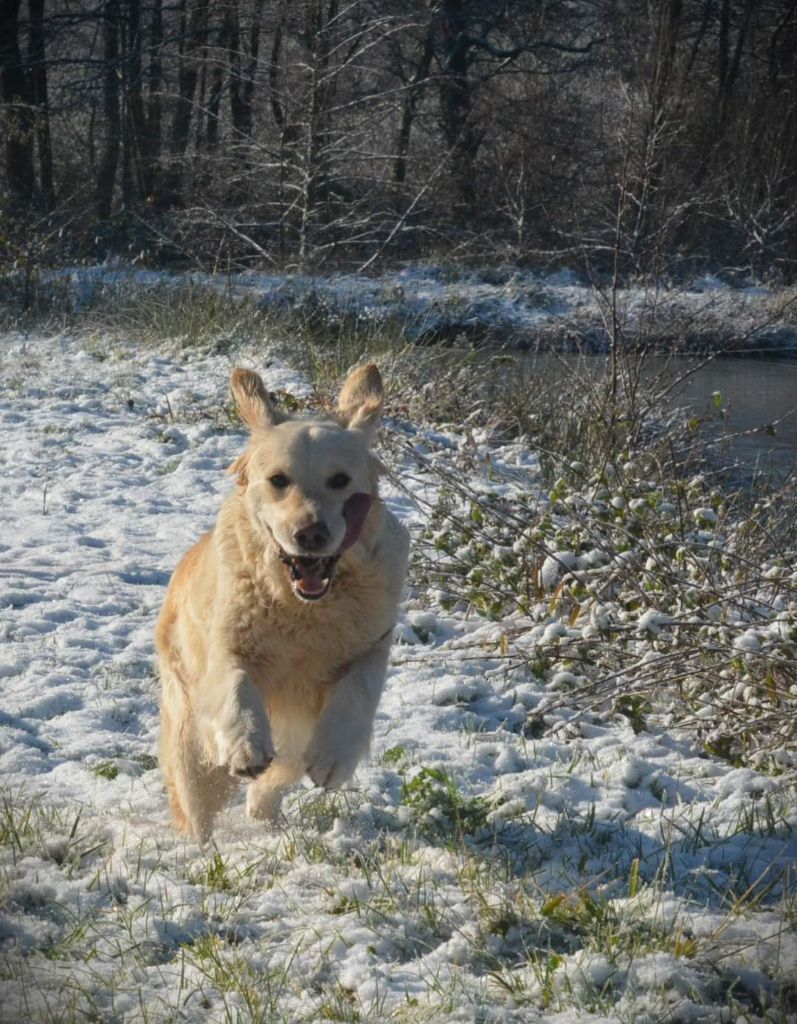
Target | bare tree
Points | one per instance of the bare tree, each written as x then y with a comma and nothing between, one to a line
109,159
193,25
17,107
320,132
37,59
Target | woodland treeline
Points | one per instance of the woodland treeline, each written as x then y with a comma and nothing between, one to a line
639,136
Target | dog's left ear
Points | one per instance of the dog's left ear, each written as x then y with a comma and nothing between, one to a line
361,399
251,399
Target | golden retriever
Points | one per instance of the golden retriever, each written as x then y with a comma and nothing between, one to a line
274,636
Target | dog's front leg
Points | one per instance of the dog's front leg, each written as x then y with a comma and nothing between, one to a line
343,732
233,721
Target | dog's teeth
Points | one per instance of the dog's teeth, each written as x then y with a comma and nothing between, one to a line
311,577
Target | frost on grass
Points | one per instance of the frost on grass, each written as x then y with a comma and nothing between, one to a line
580,801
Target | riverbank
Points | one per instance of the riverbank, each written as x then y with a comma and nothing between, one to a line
502,306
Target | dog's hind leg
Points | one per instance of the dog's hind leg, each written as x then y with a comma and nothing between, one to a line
197,791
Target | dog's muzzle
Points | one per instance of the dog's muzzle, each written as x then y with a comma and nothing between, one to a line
311,575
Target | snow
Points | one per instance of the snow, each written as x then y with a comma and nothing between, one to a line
367,904
554,567
652,621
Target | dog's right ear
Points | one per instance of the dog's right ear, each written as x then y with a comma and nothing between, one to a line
360,400
251,399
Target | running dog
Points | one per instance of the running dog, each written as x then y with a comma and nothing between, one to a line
274,635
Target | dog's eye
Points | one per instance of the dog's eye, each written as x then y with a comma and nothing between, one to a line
279,480
338,481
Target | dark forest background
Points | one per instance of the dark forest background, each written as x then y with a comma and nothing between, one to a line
644,137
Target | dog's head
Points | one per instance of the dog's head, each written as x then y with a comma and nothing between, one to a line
308,484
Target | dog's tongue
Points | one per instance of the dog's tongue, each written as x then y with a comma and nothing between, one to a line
355,510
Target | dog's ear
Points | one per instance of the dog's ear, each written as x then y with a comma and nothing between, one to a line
361,399
240,469
252,401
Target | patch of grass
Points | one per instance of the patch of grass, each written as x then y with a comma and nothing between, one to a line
394,756
105,770
18,823
31,827
215,875
227,976
339,1004
327,349
192,315
218,875
435,803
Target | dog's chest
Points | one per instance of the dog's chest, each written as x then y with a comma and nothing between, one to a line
316,642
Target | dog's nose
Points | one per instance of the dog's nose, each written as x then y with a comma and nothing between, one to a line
312,537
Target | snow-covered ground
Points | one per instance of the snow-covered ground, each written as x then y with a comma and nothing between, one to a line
478,869
509,305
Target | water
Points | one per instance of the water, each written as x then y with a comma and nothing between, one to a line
755,392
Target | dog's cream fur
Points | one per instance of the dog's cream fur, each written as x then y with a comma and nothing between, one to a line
258,682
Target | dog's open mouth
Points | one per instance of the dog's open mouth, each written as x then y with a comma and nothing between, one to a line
311,578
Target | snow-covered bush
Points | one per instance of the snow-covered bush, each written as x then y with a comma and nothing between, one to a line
636,584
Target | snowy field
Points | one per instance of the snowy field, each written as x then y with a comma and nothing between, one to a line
481,868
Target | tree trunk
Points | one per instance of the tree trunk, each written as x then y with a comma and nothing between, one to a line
135,127
214,96
667,34
201,96
125,141
314,190
729,59
412,94
109,159
16,101
193,27
151,136
38,82
456,104
647,182
243,67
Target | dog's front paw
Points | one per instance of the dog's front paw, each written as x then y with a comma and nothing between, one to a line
264,794
331,761
242,748
263,803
